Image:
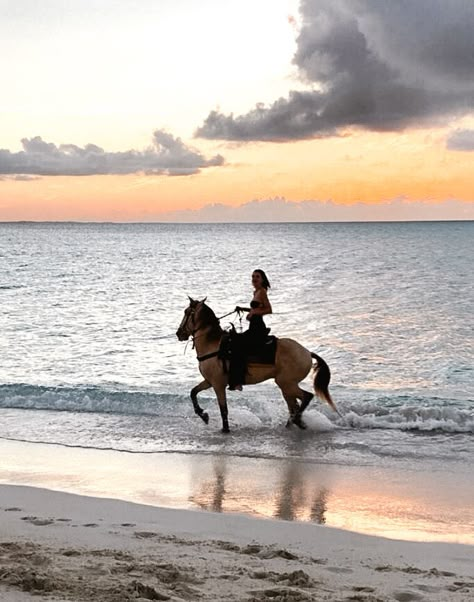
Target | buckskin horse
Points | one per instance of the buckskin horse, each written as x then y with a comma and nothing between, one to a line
293,363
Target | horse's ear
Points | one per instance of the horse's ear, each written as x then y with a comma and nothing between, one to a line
191,300
204,300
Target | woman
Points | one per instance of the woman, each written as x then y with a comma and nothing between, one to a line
255,335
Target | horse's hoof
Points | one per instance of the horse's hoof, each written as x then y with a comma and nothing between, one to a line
299,422
205,417
288,424
225,430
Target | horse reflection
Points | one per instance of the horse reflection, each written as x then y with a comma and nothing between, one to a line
293,501
294,498
212,491
319,507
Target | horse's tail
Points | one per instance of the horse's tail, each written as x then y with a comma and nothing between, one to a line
322,378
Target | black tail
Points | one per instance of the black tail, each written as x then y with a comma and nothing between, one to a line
322,378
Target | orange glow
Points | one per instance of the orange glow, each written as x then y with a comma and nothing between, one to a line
359,167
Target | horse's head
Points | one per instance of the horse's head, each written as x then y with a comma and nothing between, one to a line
192,319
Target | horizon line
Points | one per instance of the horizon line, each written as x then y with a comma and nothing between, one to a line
229,223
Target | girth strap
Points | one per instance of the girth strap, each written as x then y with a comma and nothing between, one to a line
202,358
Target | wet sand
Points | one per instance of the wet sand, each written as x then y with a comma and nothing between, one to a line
397,503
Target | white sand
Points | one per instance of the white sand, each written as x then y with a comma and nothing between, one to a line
71,547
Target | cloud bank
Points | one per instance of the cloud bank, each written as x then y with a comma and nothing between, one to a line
461,140
282,210
166,156
369,64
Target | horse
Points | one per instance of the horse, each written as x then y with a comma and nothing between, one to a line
293,363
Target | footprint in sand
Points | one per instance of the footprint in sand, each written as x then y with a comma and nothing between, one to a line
146,591
296,579
267,553
363,588
365,597
251,550
90,525
145,534
319,560
38,522
277,593
13,510
71,553
428,589
461,586
338,569
407,596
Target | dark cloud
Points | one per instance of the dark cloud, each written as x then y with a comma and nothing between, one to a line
370,64
167,155
461,140
281,210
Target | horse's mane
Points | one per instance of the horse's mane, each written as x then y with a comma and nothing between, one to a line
210,318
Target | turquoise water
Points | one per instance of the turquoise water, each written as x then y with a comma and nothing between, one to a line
89,312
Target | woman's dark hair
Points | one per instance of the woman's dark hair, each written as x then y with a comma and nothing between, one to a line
265,281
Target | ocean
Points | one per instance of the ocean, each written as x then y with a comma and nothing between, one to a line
90,358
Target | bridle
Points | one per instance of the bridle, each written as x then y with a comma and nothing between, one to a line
194,330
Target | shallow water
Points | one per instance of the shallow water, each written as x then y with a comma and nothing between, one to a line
89,355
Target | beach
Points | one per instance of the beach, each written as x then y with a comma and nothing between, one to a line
72,547
236,301
219,537
112,489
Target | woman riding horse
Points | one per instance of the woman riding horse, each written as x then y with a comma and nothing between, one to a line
292,364
256,334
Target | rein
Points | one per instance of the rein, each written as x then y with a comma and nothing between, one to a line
202,358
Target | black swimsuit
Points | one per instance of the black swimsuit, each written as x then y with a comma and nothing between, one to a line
257,332
244,343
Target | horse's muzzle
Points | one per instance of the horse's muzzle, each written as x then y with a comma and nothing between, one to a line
182,336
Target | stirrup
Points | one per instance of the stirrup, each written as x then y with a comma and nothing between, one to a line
235,388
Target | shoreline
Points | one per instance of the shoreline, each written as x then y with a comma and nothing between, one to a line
84,548
383,501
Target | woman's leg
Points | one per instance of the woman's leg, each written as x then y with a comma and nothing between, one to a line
238,364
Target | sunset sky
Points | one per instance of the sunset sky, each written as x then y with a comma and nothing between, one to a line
236,110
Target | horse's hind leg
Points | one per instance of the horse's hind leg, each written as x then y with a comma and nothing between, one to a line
202,386
292,392
294,410
305,397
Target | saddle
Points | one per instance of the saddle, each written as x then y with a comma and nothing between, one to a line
263,353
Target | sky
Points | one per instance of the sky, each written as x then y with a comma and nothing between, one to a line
236,110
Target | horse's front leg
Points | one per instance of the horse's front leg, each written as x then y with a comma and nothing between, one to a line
202,386
222,400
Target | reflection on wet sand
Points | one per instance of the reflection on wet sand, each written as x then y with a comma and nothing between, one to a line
212,491
392,502
298,498
400,504
293,496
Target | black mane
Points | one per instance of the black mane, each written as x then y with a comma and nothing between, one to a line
209,318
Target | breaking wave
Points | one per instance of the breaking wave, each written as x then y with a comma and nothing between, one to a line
405,414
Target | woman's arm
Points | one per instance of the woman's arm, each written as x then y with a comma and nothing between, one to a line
239,308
